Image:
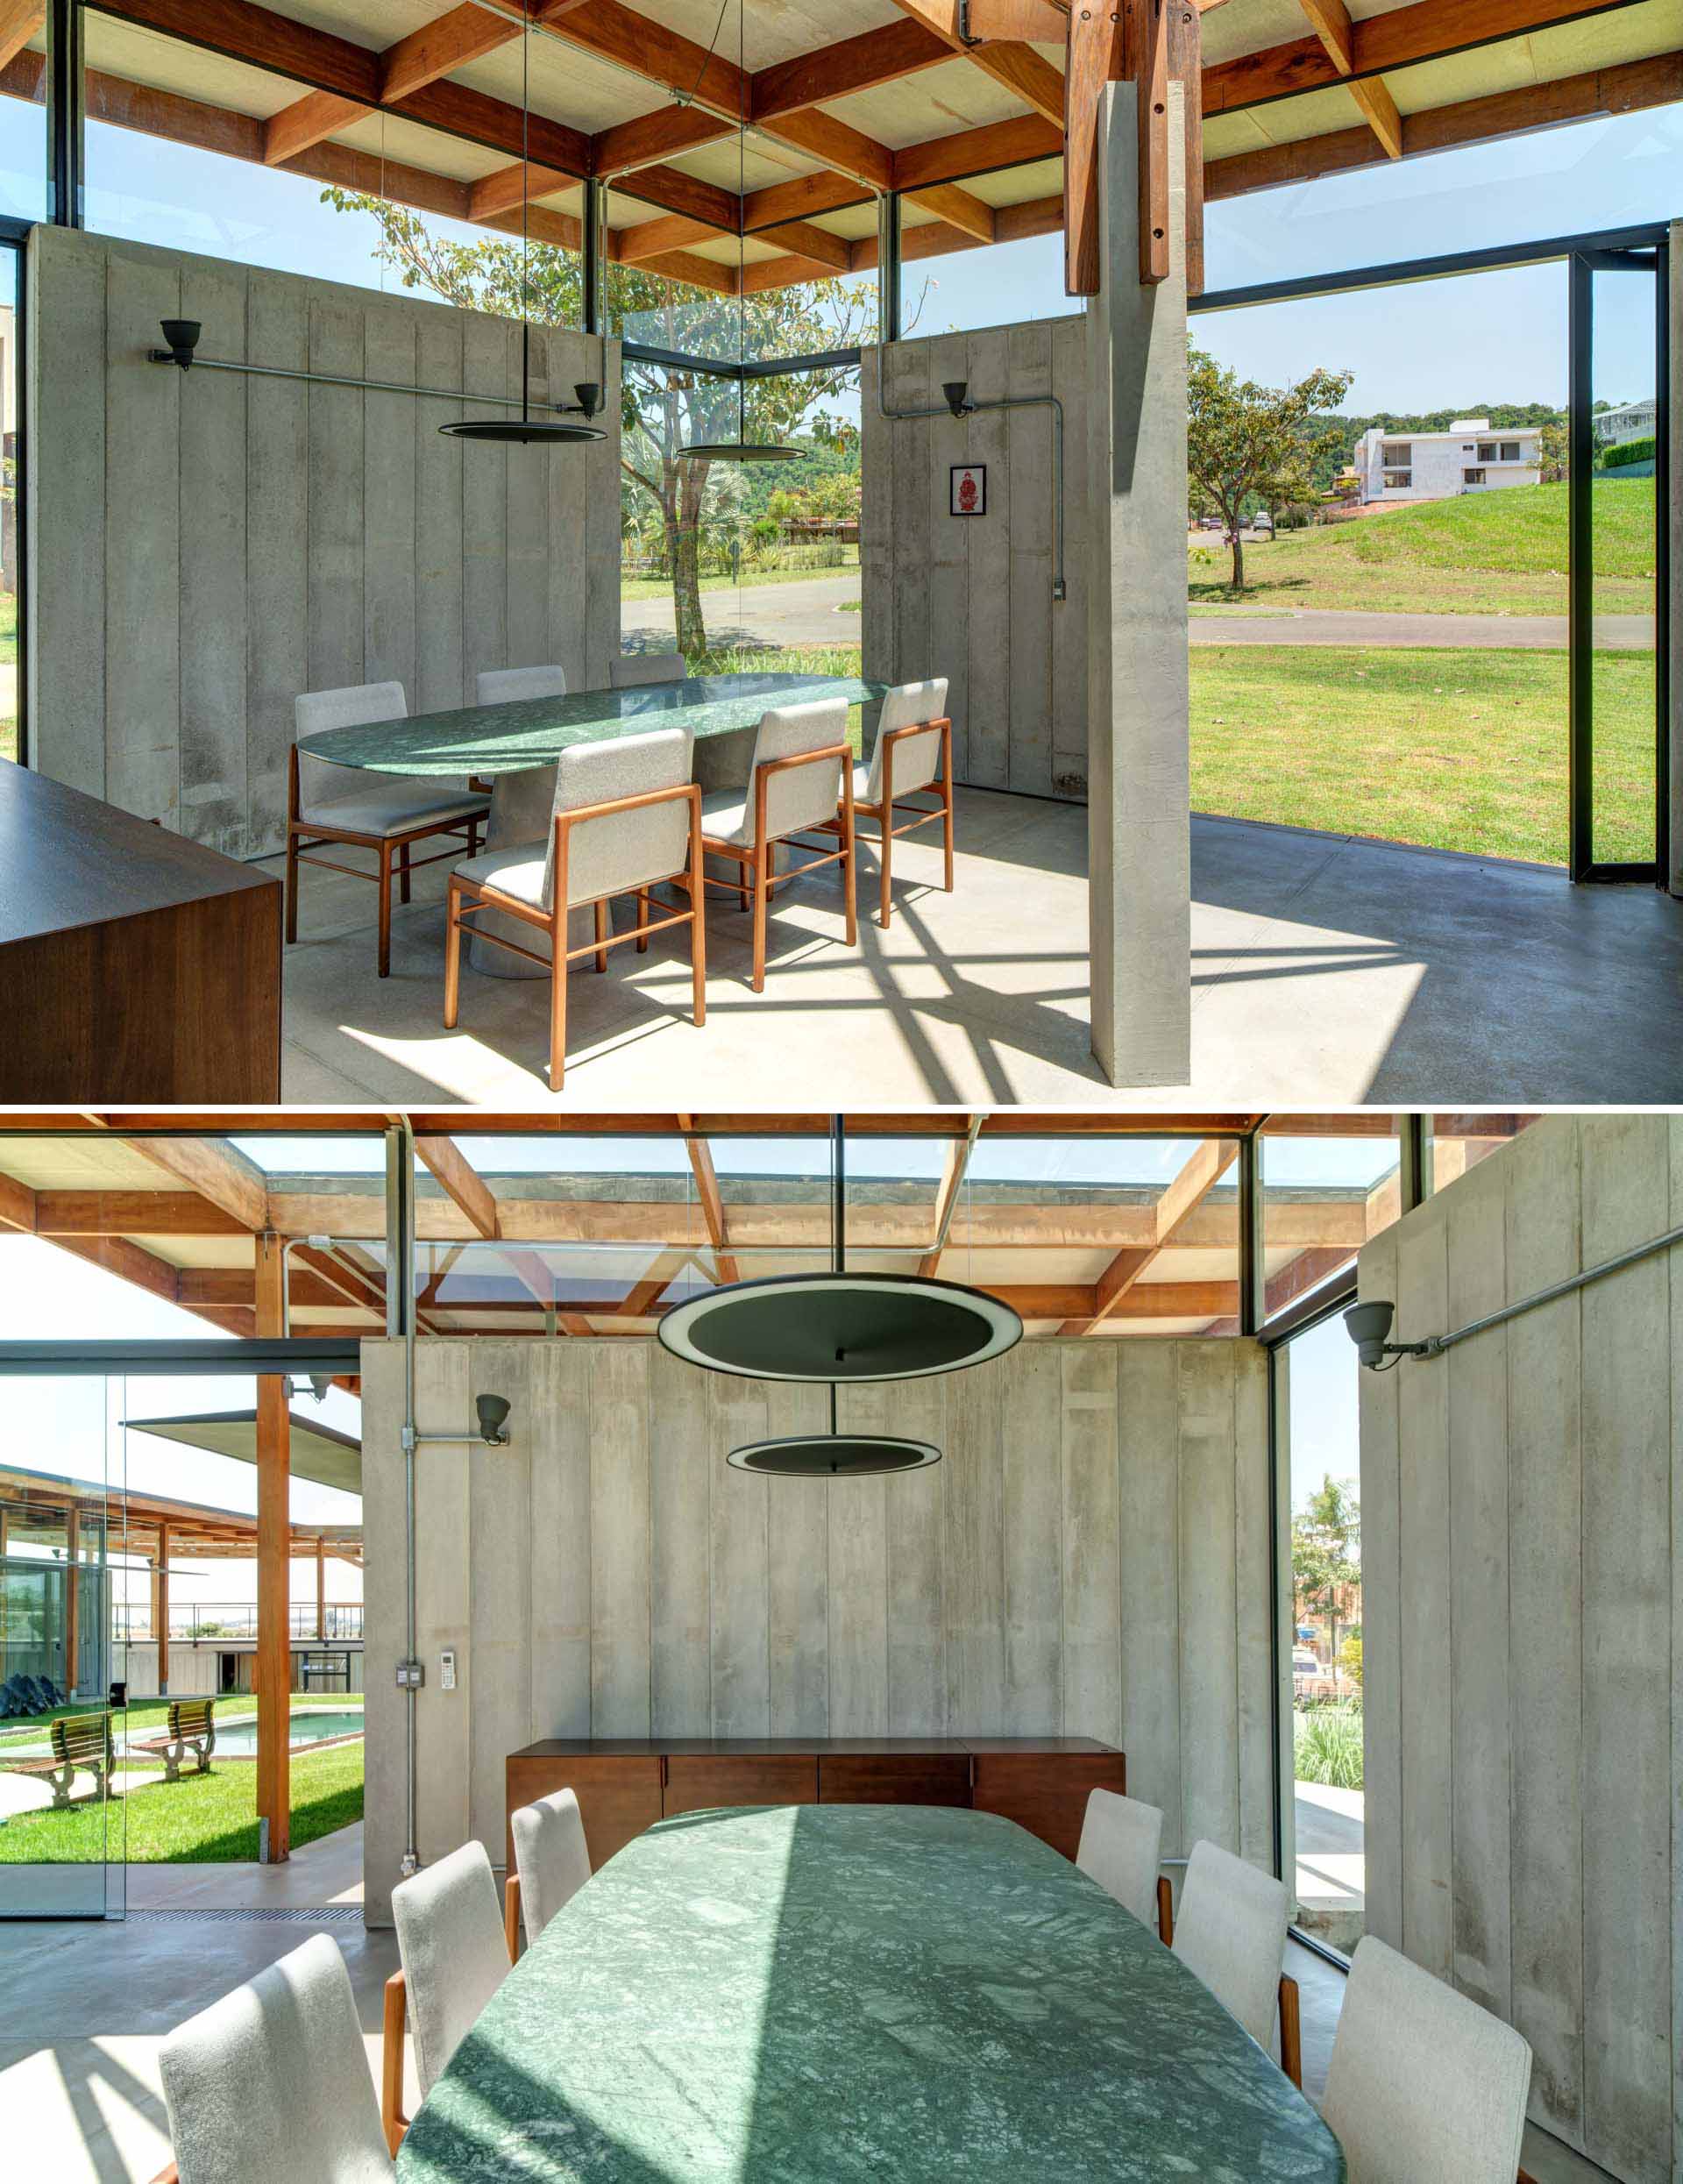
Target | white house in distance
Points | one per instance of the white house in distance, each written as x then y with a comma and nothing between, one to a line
1634,421
1469,457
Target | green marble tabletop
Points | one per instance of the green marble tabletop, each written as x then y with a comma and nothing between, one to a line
831,1994
492,739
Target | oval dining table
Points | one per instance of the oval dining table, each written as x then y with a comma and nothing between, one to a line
515,745
828,1993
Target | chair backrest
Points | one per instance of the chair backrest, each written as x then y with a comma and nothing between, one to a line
629,849
504,686
805,796
631,670
83,1738
189,1716
1121,1840
549,1856
314,711
273,2080
917,760
450,1936
1231,1931
1423,2083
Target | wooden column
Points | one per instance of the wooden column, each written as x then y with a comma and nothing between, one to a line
72,1620
160,1616
320,1592
273,1666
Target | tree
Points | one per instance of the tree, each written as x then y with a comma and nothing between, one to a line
1325,1555
1246,442
1554,452
662,407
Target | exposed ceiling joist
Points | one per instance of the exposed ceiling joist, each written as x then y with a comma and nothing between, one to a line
707,1191
216,1170
1180,1200
20,21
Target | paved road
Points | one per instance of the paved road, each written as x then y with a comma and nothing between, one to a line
810,613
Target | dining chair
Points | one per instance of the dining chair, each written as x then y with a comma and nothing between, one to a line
626,816
380,812
1230,1934
801,776
551,1864
1423,2083
1121,1842
506,685
272,2080
450,1937
912,756
631,670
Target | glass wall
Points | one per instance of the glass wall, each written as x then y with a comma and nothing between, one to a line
1325,1812
1328,1183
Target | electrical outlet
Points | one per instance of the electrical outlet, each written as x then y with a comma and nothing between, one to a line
410,1676
447,1670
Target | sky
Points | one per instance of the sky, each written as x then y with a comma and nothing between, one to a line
1501,337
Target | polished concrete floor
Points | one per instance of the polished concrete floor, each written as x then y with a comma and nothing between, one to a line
84,2007
1326,971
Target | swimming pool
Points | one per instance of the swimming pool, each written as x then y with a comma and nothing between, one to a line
237,1740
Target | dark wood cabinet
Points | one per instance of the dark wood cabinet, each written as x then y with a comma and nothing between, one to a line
135,965
624,1786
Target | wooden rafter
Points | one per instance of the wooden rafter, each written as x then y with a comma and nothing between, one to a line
1179,1201
1010,60
20,21
707,1191
952,1182
216,1170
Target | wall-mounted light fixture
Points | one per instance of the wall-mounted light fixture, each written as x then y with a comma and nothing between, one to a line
957,393
1369,1326
493,1411
182,337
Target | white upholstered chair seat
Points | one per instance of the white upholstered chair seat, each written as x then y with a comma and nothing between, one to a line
632,670
272,2080
512,686
450,1937
551,1861
390,805
517,868
1232,1934
1121,1840
727,815
863,791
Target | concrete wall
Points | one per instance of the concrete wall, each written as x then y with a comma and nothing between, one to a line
1524,1621
195,1669
970,597
207,545
1091,1557
1674,518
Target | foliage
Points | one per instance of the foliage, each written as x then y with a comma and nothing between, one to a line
1350,1658
1642,451
1327,1747
1325,1554
663,409
1554,452
1248,444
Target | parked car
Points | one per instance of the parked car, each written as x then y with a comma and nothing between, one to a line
1313,1680
1262,525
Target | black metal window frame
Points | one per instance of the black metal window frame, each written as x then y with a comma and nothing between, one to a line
1644,249
1307,1313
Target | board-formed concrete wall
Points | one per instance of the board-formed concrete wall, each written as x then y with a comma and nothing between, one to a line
207,545
1089,1558
1524,1621
970,597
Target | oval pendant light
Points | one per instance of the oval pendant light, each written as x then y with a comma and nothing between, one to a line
742,449
527,430
837,1325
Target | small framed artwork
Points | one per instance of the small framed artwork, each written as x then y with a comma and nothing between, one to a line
970,489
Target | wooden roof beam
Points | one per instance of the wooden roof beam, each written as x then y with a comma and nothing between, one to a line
20,21
952,1182
958,208
706,1190
216,1170
1010,60
1179,1201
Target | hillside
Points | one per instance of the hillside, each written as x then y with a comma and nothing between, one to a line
1484,553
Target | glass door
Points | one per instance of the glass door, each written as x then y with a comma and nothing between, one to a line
63,1684
1619,544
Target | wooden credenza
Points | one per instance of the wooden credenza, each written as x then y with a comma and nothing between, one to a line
624,1787
135,965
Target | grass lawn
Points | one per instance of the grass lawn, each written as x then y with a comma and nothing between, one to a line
1482,554
154,1713
1451,750
661,586
203,1819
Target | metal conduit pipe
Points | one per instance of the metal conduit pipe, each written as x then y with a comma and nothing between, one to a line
959,404
1436,1344
409,1672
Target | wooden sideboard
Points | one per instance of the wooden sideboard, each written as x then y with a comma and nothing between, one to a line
135,965
624,1787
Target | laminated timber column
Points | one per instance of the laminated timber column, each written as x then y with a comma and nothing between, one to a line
1139,792
161,1610
273,1574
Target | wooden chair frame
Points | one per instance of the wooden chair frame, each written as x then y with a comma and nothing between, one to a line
759,881
1291,2027
511,1916
382,845
940,788
485,896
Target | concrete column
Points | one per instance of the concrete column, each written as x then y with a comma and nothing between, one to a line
1139,793
1672,426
